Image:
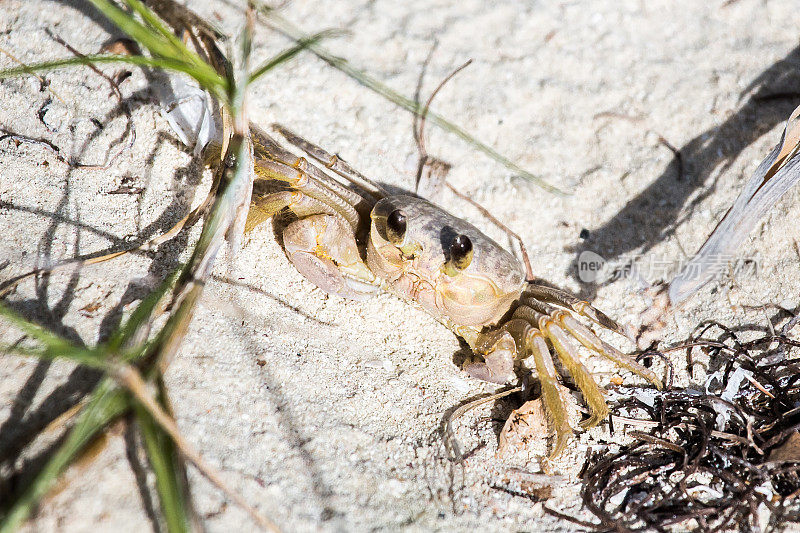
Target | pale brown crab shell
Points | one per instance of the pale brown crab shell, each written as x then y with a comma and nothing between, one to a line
477,296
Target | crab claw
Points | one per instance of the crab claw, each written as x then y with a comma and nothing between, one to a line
496,351
325,254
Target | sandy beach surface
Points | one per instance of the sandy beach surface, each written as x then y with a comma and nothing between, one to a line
325,413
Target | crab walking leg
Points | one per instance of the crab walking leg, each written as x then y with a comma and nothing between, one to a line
536,346
267,148
266,205
588,338
533,310
568,355
333,162
262,208
543,293
300,181
518,338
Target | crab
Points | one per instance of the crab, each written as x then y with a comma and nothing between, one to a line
350,237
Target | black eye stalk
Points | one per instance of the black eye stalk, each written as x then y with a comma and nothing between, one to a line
396,227
460,255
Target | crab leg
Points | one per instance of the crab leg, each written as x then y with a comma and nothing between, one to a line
588,338
544,293
536,346
267,148
333,162
532,311
303,182
518,338
264,207
549,325
568,355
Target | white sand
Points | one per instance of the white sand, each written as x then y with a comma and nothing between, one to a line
324,413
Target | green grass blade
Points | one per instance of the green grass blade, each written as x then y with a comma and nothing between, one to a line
87,357
168,469
375,85
208,78
147,37
83,356
143,312
155,23
52,346
107,402
289,53
48,339
164,48
219,220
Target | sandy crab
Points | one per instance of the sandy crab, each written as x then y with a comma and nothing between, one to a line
351,238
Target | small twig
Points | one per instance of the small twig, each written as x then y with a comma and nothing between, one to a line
427,107
638,422
16,137
418,126
415,117
759,386
76,53
655,440
568,518
703,344
676,152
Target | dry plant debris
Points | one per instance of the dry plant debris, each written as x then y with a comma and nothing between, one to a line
529,422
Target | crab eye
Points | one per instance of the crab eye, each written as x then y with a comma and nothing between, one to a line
461,252
396,227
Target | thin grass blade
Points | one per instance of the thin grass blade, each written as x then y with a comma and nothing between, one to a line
168,468
107,402
375,85
43,336
52,346
289,53
155,23
212,82
163,45
147,37
123,336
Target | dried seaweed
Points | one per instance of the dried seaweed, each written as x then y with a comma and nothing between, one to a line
697,469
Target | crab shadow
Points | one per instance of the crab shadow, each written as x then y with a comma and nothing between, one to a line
653,215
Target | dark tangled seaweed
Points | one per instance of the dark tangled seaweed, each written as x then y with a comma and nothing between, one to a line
690,471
